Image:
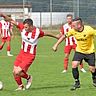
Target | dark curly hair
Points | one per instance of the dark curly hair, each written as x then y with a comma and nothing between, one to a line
28,21
77,19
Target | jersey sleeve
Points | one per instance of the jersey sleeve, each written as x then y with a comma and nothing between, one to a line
41,33
62,30
20,26
70,33
0,25
91,30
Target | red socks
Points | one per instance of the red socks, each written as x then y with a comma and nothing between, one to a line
65,63
18,80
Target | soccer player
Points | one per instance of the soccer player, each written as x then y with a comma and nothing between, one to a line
70,42
30,35
85,49
6,34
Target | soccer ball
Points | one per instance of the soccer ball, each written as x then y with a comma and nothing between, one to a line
1,85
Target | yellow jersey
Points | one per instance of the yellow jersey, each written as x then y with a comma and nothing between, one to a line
85,39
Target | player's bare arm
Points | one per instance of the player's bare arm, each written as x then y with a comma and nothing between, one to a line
5,16
50,35
59,35
58,42
9,19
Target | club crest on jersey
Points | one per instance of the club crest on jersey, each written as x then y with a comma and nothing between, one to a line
84,35
28,38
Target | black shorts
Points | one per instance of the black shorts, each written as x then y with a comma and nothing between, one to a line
89,58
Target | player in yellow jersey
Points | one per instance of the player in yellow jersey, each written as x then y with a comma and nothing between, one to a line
84,50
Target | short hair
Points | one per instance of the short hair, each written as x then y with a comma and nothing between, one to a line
77,19
28,21
69,15
9,15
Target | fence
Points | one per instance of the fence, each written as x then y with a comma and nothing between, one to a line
43,19
83,8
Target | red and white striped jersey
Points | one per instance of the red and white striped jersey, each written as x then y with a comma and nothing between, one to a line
68,41
30,39
5,28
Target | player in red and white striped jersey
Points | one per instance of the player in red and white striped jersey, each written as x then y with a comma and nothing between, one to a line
6,33
70,43
25,58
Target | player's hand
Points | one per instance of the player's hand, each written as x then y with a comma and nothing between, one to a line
12,36
1,14
54,48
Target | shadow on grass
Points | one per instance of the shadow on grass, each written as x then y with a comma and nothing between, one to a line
49,87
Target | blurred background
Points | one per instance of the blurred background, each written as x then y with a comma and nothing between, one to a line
50,13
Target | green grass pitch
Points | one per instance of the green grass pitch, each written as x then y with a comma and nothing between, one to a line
46,71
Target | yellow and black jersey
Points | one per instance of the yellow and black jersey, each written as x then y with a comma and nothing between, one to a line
85,39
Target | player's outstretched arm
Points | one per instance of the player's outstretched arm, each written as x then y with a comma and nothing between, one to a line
7,18
50,35
58,42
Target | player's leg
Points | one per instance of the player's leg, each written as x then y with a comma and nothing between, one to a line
82,68
81,64
66,58
23,62
9,46
17,70
27,60
26,64
17,77
76,61
28,78
90,58
2,43
20,73
67,50
75,74
93,72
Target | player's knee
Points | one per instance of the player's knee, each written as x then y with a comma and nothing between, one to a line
16,71
75,64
